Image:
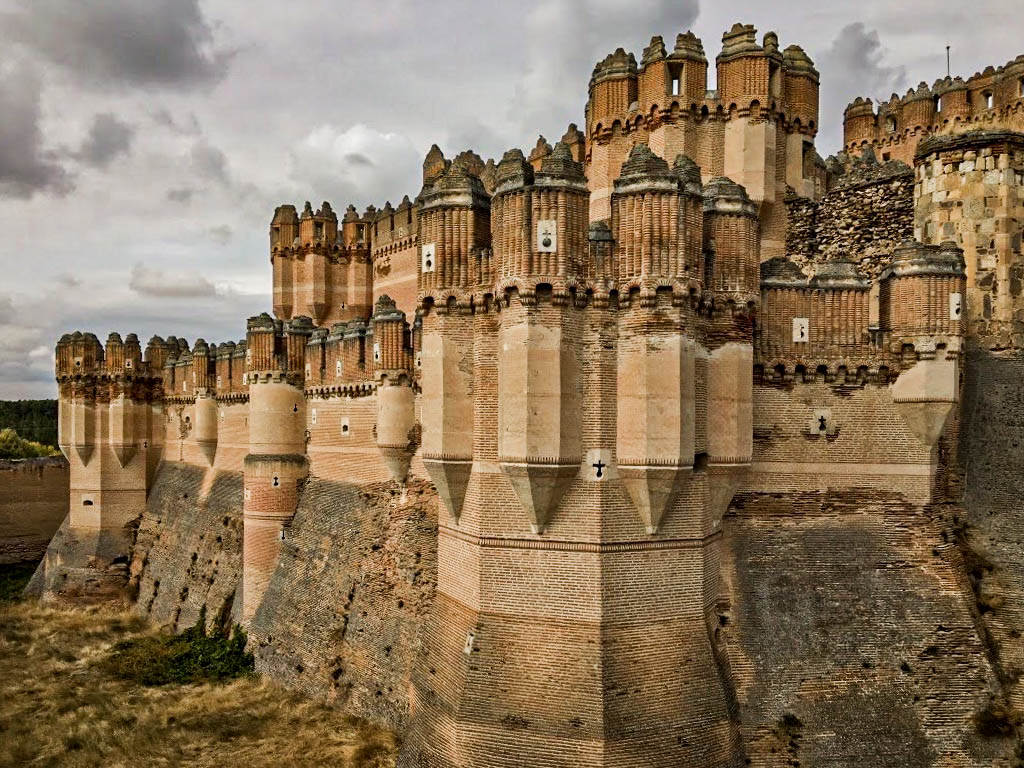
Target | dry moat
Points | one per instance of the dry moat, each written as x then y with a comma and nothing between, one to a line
62,702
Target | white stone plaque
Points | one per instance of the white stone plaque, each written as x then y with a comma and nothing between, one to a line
547,236
597,467
956,306
376,351
428,262
313,417
337,368
801,329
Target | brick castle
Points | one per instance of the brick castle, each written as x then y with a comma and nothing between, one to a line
646,448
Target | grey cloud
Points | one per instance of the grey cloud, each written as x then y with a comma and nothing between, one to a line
182,195
26,167
6,310
357,159
68,280
108,137
121,42
220,234
852,66
157,283
209,162
187,126
551,93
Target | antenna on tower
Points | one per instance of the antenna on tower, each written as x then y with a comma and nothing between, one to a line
947,61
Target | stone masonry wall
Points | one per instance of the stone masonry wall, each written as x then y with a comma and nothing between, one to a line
866,214
343,615
33,503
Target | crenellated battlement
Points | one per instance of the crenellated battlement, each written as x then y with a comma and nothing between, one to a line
574,371
757,128
992,99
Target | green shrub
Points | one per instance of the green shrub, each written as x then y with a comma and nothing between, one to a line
12,446
13,578
191,657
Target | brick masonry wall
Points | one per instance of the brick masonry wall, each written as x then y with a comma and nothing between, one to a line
33,502
188,550
850,633
849,621
343,614
992,456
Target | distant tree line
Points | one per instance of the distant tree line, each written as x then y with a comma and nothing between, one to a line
34,420
14,447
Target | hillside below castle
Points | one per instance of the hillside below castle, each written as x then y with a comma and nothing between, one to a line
669,444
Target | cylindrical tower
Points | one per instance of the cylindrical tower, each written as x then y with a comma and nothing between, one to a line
276,464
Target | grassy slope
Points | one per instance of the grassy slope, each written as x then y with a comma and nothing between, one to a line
59,706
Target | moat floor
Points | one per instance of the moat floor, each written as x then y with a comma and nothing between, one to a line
59,707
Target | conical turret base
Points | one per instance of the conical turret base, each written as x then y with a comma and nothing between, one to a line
397,461
652,489
540,488
451,478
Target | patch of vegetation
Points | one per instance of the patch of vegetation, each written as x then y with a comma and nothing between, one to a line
62,707
997,719
13,578
12,446
33,419
191,657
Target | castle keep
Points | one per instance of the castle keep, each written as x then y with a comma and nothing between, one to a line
645,448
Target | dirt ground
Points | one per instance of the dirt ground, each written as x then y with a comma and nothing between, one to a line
59,707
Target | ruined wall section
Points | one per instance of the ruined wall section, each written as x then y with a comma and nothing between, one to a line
990,533
866,214
847,593
343,615
33,503
850,632
188,550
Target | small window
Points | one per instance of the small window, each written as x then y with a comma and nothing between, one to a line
277,482
987,97
87,503
886,157
1020,87
675,78
938,103
890,123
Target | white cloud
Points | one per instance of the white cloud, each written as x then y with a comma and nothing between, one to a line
359,164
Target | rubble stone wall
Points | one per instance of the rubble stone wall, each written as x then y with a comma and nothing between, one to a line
866,214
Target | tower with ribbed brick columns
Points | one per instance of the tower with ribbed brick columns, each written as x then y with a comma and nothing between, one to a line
585,414
276,464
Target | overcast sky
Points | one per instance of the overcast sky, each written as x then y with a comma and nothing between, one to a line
145,143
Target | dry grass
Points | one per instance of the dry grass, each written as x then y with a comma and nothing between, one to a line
59,706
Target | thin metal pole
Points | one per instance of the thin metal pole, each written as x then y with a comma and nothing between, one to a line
947,61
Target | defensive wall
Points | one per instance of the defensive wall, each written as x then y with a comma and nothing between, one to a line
33,503
689,472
